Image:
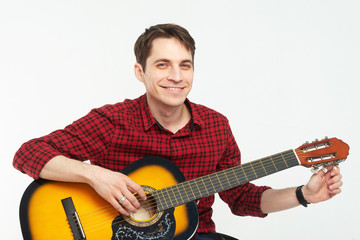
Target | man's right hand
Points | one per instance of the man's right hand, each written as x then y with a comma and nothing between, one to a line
110,185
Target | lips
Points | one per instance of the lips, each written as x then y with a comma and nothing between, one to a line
174,88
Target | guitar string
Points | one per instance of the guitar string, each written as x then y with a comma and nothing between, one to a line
267,161
118,222
148,204
151,204
231,177
265,165
105,224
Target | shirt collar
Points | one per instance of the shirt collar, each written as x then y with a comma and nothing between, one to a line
196,119
149,119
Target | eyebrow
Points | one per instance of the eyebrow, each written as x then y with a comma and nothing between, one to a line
167,60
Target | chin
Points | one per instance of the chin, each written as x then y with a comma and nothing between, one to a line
174,102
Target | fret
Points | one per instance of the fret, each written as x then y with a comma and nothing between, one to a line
194,189
232,179
202,179
251,165
249,172
208,180
280,164
240,174
258,169
164,198
186,192
292,159
273,163
262,165
161,200
178,190
237,179
242,169
189,187
214,180
169,197
223,180
197,187
284,160
270,165
219,181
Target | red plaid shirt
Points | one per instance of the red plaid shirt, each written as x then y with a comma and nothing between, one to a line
114,136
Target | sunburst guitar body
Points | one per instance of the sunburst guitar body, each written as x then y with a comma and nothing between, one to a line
57,210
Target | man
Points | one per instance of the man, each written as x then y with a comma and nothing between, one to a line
162,122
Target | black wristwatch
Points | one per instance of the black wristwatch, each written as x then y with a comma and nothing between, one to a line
300,196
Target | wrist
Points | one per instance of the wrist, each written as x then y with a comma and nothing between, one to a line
307,194
90,174
302,195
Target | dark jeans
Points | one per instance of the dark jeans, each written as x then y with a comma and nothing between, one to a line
213,236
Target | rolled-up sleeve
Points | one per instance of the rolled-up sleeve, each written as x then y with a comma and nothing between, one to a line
243,200
84,139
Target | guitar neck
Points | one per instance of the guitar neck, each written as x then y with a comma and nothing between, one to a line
207,185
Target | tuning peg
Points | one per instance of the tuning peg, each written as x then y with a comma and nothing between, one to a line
335,164
325,167
314,168
307,142
316,140
326,138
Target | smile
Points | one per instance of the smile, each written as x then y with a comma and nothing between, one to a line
174,88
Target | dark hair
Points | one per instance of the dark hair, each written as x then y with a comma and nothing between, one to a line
143,44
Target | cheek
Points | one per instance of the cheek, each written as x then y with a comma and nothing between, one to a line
189,77
156,77
152,80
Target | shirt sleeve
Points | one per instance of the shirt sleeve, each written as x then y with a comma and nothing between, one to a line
84,139
243,200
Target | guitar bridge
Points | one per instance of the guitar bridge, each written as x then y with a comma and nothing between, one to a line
73,219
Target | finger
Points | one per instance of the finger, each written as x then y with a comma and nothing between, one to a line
335,179
129,204
136,188
336,185
335,192
320,173
335,171
115,203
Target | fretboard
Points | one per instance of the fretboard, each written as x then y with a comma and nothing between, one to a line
207,185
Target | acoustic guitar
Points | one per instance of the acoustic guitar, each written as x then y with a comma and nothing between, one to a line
60,210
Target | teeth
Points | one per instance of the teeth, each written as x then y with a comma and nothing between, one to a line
174,88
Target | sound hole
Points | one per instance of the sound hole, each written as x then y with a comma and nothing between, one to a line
146,214
147,209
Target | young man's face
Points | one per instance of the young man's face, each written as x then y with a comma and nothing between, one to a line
169,73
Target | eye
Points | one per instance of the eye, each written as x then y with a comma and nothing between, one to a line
186,66
161,65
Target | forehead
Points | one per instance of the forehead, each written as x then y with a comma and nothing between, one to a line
169,48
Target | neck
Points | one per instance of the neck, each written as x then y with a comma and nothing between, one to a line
171,118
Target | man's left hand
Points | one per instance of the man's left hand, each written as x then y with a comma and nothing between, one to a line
323,185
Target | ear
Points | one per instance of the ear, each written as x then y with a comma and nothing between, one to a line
139,73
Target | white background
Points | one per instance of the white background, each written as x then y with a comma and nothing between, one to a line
283,72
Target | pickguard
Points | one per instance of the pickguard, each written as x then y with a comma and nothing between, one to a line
164,228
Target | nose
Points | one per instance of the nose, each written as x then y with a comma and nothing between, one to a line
175,74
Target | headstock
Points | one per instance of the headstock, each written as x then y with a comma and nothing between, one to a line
329,151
